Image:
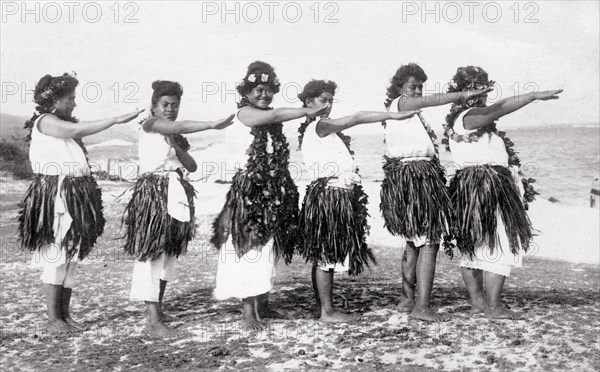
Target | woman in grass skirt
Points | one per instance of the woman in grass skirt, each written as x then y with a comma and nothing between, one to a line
490,222
414,201
259,221
160,214
62,215
333,219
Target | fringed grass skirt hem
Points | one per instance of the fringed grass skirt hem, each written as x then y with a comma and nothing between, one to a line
481,195
333,225
253,216
83,199
151,231
414,199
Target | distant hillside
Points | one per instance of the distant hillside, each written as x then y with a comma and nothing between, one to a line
11,126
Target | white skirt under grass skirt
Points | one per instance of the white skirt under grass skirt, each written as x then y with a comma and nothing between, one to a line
246,276
146,277
500,261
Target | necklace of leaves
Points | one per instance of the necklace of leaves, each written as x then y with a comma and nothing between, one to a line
272,203
426,126
41,111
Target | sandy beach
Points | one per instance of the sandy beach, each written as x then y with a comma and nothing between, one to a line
556,290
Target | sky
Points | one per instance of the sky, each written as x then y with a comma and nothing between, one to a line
119,48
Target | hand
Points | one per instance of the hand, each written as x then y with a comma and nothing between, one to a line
313,113
128,117
223,123
547,95
403,114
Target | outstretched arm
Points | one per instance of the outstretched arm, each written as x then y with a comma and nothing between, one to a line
436,99
168,127
481,116
327,126
252,117
184,157
55,127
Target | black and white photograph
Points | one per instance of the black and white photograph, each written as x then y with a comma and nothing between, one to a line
300,185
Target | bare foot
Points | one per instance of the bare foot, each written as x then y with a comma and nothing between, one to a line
59,326
406,305
427,314
76,325
478,306
251,324
337,316
502,313
159,329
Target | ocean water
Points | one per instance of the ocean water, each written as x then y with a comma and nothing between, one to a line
564,160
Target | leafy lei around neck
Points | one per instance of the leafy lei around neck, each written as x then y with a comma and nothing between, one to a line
426,125
272,204
40,110
489,130
347,140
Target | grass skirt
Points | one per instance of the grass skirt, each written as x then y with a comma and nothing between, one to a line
84,204
253,216
478,193
414,199
151,231
333,223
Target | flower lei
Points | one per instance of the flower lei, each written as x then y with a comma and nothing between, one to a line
513,159
272,206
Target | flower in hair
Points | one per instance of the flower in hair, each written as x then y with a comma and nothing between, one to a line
276,81
264,78
242,83
251,78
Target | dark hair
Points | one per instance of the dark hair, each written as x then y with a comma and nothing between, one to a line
400,78
254,76
314,88
165,88
52,88
465,79
48,90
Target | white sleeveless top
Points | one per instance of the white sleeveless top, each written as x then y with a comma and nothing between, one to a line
489,149
327,156
54,156
238,140
407,138
155,153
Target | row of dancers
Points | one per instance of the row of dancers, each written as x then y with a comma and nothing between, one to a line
482,212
